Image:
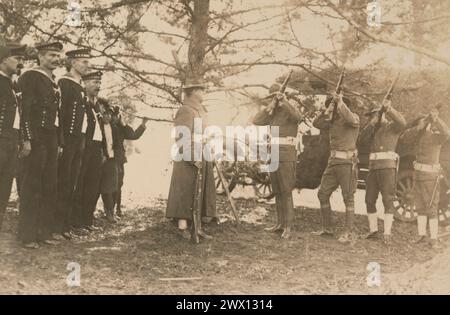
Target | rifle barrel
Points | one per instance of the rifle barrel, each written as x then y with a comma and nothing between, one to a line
388,95
341,79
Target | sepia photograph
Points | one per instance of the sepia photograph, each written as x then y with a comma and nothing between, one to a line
224,153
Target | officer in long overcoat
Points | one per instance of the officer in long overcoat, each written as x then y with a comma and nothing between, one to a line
182,187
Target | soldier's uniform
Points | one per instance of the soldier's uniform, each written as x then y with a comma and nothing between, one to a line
40,115
342,168
9,130
88,186
287,119
383,165
426,175
74,124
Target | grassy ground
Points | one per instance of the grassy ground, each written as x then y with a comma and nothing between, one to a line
132,257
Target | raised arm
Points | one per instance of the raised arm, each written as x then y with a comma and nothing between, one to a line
130,134
294,113
443,129
262,118
350,118
398,120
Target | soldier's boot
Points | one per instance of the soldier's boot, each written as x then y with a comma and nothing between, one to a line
387,239
349,235
420,239
110,218
287,233
183,230
203,235
388,221
326,214
373,227
422,229
434,230
119,204
110,215
288,215
278,227
435,244
184,233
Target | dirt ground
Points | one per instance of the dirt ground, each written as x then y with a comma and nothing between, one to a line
133,257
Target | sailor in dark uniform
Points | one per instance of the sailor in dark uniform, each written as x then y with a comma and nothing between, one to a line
11,60
74,125
88,186
42,139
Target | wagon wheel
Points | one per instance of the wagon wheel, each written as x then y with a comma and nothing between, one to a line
444,204
263,189
405,209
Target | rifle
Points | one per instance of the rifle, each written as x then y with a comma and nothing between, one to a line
427,118
337,91
275,100
197,206
382,110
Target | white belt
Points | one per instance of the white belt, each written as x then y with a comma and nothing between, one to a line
383,156
344,154
284,140
429,168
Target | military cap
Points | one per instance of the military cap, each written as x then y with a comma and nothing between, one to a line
194,83
49,46
79,53
12,49
95,75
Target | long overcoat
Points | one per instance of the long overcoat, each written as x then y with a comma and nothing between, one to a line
184,175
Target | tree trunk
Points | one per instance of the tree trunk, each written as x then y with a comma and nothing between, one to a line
199,39
417,31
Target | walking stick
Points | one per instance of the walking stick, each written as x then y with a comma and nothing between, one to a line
227,191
